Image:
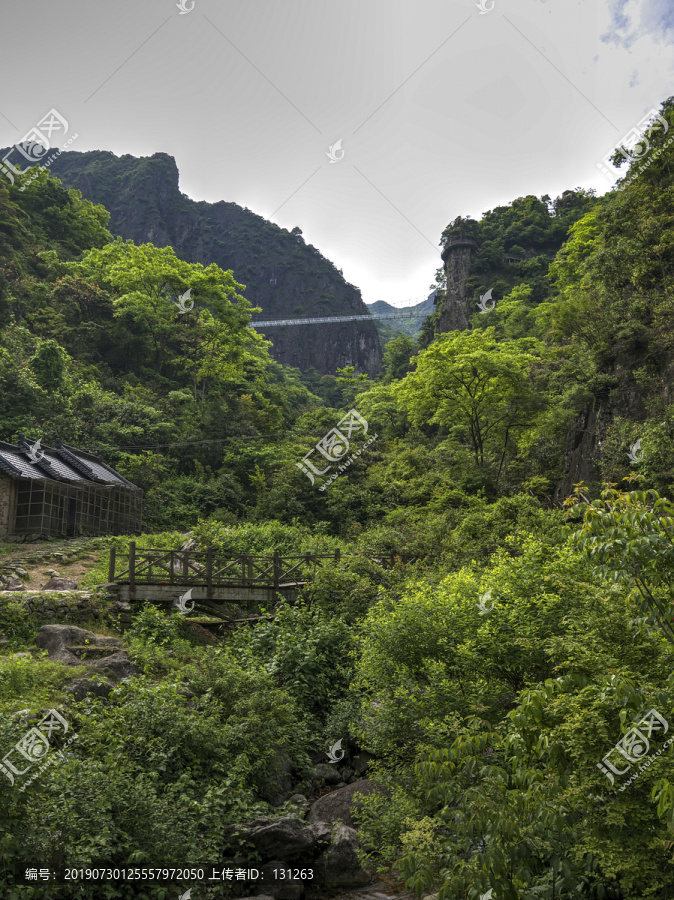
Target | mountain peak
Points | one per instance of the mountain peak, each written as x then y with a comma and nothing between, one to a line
284,276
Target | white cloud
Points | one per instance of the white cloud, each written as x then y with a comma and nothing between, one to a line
632,20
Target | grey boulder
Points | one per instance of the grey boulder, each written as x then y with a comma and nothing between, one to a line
361,762
338,866
84,687
282,888
118,665
327,773
112,643
58,641
13,584
298,801
284,837
57,583
56,637
339,805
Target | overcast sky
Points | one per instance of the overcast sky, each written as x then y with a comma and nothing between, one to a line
441,110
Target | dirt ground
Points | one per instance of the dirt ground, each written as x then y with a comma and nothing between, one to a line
74,569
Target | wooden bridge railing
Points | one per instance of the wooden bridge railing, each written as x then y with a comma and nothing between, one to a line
211,569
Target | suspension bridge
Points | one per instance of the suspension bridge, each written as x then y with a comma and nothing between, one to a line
323,320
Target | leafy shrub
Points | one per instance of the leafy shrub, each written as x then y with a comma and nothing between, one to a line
307,652
156,774
158,642
152,625
17,624
433,654
260,539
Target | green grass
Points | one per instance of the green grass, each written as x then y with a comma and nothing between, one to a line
30,682
7,549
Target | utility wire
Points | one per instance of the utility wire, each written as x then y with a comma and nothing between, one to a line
245,437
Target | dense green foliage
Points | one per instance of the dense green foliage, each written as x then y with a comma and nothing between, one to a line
491,677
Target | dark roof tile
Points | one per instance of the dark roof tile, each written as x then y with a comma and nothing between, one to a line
60,463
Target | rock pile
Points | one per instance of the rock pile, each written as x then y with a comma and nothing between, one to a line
288,844
75,646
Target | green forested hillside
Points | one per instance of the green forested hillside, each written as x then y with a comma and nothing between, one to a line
283,275
511,246
391,328
491,678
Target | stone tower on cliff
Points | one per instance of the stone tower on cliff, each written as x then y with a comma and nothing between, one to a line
457,255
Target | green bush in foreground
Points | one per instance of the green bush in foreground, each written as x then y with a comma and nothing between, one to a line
491,727
156,772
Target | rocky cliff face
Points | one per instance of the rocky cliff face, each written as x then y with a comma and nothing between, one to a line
455,312
582,448
583,456
514,245
282,274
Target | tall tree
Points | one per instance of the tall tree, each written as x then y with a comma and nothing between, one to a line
467,378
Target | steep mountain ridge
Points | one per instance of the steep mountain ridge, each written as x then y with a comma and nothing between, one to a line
284,276
389,328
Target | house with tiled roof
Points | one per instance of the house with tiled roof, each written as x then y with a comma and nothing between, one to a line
63,492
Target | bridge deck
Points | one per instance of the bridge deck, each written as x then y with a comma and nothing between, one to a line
324,320
211,569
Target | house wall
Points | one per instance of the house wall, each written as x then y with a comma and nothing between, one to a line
6,504
44,509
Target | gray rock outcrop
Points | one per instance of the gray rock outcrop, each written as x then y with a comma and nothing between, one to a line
64,642
327,773
331,852
285,838
338,866
84,687
339,805
118,665
10,583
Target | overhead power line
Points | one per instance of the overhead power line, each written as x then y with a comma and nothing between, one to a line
222,440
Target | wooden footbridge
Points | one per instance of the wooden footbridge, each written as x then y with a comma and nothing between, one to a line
218,580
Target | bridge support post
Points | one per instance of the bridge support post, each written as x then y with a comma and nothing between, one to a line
111,566
209,571
277,570
132,570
